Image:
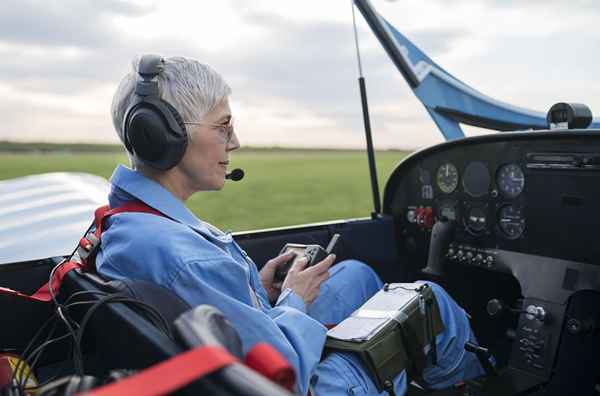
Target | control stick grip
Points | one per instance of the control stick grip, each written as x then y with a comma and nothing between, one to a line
441,233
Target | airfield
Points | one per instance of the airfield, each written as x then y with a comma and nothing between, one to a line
282,186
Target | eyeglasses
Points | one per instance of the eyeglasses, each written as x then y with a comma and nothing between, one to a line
226,130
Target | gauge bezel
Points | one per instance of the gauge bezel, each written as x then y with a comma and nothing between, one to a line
437,178
501,230
498,178
468,228
467,178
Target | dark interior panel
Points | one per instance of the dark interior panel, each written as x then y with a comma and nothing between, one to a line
522,213
372,241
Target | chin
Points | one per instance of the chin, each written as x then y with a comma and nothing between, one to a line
218,185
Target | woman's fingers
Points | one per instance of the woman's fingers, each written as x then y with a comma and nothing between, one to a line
281,258
323,265
299,264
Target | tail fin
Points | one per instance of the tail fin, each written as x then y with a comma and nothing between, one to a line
448,100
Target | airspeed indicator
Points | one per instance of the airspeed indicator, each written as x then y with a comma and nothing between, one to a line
447,178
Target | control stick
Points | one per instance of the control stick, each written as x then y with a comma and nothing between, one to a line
441,233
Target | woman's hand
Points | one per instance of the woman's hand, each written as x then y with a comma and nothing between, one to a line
305,282
267,275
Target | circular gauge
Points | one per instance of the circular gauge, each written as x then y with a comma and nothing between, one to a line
511,221
447,209
476,179
447,178
511,180
476,220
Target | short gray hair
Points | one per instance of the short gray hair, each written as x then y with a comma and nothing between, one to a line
193,88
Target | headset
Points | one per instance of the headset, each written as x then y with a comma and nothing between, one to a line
153,129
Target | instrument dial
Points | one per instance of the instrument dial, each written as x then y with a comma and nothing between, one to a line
476,179
476,220
447,178
511,221
447,209
511,180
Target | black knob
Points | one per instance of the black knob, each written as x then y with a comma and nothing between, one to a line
574,326
494,307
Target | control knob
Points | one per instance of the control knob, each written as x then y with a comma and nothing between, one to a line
451,254
536,312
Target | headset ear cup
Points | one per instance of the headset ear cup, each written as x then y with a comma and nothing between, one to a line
178,140
156,134
145,134
177,117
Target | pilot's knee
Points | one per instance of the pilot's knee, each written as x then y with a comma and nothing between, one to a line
360,273
440,293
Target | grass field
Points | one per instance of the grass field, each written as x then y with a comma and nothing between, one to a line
281,187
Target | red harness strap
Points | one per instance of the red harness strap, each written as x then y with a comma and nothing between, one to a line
87,264
266,360
168,376
43,293
131,206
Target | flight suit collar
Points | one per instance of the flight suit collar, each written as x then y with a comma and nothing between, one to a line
156,196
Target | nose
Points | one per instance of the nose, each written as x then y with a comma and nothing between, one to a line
234,143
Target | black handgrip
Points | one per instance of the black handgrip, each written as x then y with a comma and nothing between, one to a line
441,234
483,355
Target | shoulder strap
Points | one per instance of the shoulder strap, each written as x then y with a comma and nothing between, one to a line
105,211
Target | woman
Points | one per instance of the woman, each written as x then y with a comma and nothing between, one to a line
174,118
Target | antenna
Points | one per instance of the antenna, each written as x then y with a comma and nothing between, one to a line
367,122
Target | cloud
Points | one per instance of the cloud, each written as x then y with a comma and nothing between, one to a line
293,74
64,23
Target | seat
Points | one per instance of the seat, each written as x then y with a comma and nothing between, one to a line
120,337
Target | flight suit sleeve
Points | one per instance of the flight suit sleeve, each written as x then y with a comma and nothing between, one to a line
297,336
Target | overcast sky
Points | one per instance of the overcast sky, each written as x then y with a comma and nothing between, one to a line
291,64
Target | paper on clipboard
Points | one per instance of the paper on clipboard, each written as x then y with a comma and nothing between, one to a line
379,310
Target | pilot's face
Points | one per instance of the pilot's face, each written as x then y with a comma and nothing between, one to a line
206,159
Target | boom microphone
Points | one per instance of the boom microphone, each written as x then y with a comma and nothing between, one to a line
235,175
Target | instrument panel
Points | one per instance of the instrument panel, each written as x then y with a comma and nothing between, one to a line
535,193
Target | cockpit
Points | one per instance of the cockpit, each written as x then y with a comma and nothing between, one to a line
507,223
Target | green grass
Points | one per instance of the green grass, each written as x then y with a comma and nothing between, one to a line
281,187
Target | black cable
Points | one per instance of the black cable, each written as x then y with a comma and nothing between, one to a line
151,313
67,306
61,312
78,359
118,297
26,356
19,365
79,293
38,350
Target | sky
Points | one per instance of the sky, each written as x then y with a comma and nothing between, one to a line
291,64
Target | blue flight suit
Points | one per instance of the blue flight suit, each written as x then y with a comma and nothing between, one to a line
203,265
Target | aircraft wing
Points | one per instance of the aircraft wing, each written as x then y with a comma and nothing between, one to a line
45,215
448,100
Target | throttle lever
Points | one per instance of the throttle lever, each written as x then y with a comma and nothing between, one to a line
483,354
